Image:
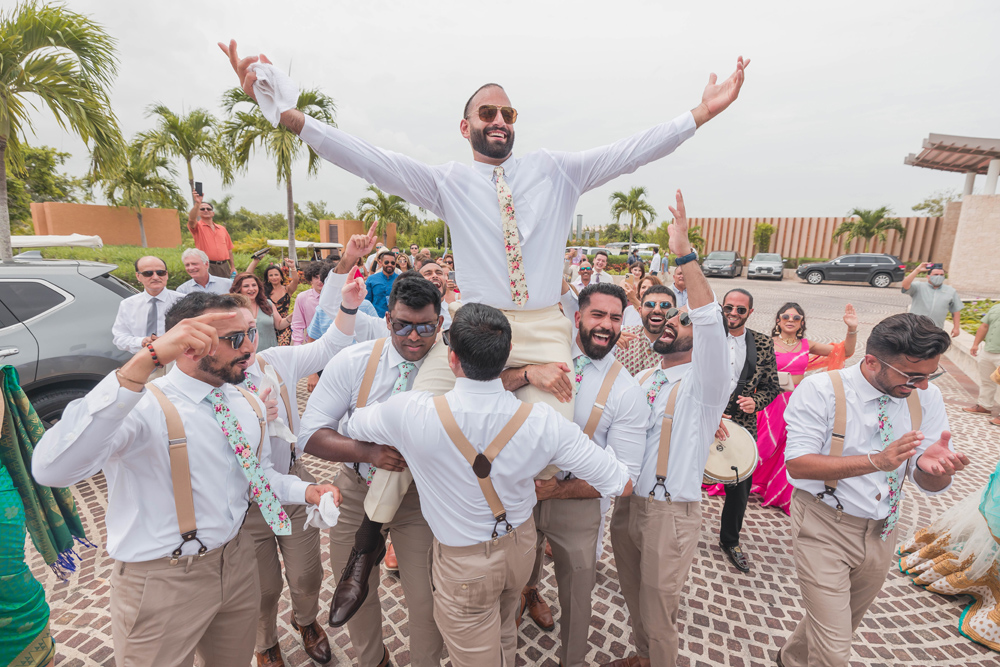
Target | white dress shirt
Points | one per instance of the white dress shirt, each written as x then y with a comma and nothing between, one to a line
292,363
450,497
130,324
626,412
124,433
701,400
336,395
546,186
366,327
682,297
654,263
215,285
631,317
810,416
737,358
602,277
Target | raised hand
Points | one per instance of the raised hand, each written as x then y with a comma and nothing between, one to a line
270,404
678,229
195,337
938,459
625,339
898,451
353,293
360,245
718,96
850,317
242,67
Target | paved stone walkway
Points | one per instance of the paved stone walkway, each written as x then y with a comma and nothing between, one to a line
726,618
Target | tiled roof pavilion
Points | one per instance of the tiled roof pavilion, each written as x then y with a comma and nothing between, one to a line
965,155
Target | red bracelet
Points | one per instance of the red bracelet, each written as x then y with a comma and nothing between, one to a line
152,353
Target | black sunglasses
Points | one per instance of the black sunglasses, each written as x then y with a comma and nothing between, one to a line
403,328
728,308
236,339
149,274
665,305
684,319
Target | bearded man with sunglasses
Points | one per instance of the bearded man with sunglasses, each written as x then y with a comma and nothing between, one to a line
636,343
140,318
363,374
846,503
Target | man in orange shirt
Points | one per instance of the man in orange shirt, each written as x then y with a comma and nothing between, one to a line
210,238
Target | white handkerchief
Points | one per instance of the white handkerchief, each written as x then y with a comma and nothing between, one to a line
275,91
324,515
276,428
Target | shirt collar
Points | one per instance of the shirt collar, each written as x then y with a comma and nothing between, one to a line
467,386
866,392
675,373
509,167
190,388
599,364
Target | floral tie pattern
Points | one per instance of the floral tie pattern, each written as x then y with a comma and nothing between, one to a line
406,369
260,488
659,379
518,284
579,363
248,383
885,433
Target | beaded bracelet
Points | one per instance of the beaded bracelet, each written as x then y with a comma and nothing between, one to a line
152,353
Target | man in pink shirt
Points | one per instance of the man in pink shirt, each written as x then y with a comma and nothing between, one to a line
305,303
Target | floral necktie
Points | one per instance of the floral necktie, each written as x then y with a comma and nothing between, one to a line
885,433
659,379
248,383
260,488
518,284
578,365
406,369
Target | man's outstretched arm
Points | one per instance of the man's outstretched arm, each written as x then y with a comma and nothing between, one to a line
718,96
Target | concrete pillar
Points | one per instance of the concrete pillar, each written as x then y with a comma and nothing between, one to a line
970,182
991,178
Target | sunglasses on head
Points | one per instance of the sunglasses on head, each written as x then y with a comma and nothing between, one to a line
149,274
403,328
684,318
665,305
740,310
236,339
793,318
488,112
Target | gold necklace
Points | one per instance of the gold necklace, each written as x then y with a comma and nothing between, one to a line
794,343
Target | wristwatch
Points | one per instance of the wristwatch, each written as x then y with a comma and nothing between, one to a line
684,259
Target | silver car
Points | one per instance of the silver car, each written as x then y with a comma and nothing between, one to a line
766,265
55,327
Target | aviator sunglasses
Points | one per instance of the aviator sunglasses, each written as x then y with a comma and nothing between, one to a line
236,339
149,274
488,112
740,310
403,328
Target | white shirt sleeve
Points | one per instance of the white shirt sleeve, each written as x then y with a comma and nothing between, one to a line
627,434
330,401
710,358
299,361
577,454
121,333
809,417
366,327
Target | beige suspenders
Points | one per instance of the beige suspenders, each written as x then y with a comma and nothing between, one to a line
483,463
602,399
840,427
180,469
663,454
366,384
284,399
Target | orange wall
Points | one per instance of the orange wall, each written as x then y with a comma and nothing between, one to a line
115,225
340,231
813,237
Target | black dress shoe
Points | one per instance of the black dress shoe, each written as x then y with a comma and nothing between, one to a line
352,589
736,557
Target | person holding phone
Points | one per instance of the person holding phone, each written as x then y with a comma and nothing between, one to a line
933,298
210,238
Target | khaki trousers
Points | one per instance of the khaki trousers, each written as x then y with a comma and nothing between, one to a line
477,593
303,563
655,543
220,269
161,614
842,565
537,337
986,363
572,528
412,538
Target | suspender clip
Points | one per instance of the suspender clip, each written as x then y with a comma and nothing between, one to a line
502,517
660,482
187,537
830,491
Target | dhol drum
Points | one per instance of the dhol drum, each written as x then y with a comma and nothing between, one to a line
732,460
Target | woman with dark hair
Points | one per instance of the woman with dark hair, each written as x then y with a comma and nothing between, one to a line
792,352
636,273
279,291
269,321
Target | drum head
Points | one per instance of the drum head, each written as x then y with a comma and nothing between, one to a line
738,451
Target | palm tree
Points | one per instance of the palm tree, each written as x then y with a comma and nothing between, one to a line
640,212
63,59
247,129
696,240
385,209
868,225
141,182
189,137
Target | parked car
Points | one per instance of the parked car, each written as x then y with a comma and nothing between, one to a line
55,327
723,263
877,269
766,265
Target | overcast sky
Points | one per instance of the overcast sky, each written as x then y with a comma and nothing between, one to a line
836,96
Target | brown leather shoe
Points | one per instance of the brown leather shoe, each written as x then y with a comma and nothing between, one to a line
631,661
391,563
352,589
314,640
385,658
539,610
978,410
270,658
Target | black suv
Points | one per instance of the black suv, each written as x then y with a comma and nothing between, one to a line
723,263
875,269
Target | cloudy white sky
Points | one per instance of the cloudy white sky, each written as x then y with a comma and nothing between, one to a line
836,95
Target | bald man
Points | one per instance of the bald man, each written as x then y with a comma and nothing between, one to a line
140,317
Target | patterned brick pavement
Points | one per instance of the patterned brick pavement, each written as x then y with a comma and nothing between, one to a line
726,618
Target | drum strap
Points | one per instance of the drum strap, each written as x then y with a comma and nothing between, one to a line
483,463
284,399
602,398
840,426
663,455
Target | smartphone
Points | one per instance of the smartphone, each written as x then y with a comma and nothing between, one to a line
451,276
198,189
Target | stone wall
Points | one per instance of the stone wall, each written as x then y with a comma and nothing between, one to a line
977,244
